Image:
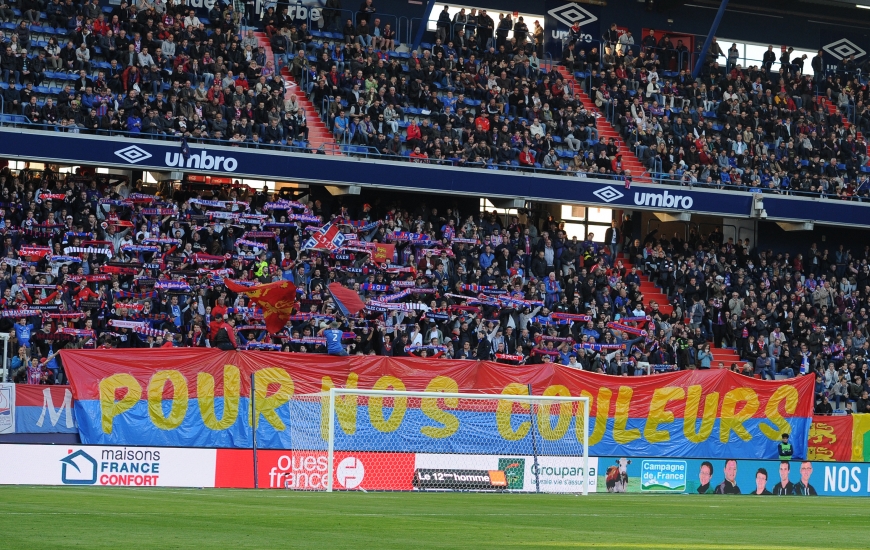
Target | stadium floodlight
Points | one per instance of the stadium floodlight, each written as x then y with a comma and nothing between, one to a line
547,434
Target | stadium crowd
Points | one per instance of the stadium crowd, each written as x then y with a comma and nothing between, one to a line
89,262
478,96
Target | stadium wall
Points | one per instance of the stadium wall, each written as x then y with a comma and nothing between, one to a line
82,466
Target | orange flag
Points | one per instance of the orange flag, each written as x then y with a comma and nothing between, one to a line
277,300
383,253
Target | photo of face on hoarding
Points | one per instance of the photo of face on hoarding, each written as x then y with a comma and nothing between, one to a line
704,476
784,487
803,487
729,486
761,483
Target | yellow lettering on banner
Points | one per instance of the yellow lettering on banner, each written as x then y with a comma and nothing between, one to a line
690,415
658,414
111,408
205,398
563,421
429,406
268,406
623,402
179,399
790,395
345,406
376,405
731,420
504,413
602,411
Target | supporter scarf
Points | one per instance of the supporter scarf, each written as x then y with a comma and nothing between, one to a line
86,250
476,288
140,248
635,319
12,262
79,333
250,327
308,340
213,204
304,218
557,338
390,268
116,202
372,287
342,257
263,347
128,306
403,284
34,251
206,259
538,351
225,272
309,316
42,287
140,197
599,347
17,313
151,316
118,270
424,290
395,297
438,251
513,302
251,219
64,259
412,349
126,294
509,357
466,241
626,328
253,244
284,205
77,234
571,317
152,266
244,310
483,301
148,331
161,240
52,196
363,270
179,286
89,278
65,315
380,306
437,316
549,320
158,211
259,235
362,226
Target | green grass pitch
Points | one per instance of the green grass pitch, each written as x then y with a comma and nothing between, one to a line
69,517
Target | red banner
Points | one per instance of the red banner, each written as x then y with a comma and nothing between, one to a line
122,398
830,439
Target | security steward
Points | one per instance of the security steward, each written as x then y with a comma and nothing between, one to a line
785,448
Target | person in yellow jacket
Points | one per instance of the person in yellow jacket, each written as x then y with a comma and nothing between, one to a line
261,268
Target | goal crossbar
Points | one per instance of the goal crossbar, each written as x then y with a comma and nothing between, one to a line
526,399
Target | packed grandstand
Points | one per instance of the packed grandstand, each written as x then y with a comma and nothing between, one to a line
482,94
92,262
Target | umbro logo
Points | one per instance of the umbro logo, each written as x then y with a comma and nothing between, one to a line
608,194
569,13
133,154
843,48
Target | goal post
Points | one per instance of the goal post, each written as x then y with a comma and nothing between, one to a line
457,441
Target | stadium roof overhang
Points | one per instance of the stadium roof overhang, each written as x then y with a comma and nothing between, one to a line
157,155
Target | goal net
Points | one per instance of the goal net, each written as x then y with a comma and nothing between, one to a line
385,440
